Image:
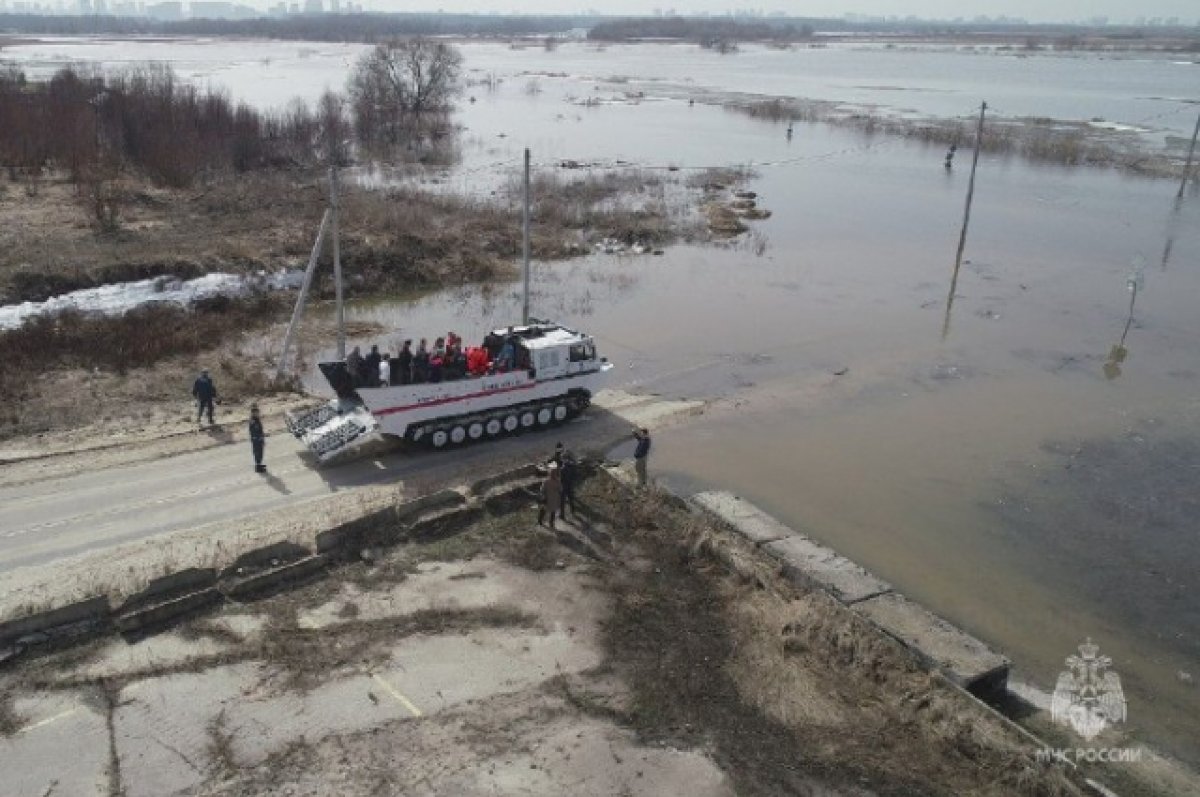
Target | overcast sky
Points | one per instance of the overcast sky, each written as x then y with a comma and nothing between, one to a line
1033,10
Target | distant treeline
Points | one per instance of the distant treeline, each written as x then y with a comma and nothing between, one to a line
368,28
702,30
145,120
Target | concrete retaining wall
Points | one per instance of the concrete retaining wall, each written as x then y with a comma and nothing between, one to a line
265,570
963,659
488,483
77,620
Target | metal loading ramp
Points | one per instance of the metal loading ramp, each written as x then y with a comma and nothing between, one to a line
333,428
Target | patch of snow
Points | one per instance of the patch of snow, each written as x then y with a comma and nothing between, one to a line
121,297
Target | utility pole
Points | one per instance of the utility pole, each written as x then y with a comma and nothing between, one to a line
525,243
299,310
1187,166
337,264
962,238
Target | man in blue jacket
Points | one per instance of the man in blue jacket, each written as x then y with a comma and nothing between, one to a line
204,392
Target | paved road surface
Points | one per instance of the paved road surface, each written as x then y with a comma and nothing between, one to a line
48,520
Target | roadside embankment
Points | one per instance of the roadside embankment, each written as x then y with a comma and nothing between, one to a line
619,653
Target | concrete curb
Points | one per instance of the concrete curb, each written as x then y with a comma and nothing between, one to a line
272,568
488,483
160,615
271,581
170,587
444,524
65,623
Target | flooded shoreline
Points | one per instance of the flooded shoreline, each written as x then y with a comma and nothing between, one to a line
845,394
835,402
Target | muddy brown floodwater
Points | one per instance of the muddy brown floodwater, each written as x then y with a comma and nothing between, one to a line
963,467
1024,464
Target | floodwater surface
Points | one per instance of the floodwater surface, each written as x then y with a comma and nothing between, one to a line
1024,461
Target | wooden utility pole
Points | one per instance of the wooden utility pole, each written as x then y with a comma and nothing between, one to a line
962,238
299,310
1187,166
337,264
525,243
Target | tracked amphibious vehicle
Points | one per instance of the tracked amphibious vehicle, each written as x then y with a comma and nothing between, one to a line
551,377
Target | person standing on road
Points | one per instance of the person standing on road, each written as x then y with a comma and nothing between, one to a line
641,454
551,495
204,391
258,439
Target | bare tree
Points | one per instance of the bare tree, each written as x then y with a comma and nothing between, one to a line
400,83
334,132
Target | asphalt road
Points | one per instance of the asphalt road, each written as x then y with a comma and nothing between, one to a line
44,521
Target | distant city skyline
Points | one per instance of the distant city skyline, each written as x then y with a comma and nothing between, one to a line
1113,12
1116,11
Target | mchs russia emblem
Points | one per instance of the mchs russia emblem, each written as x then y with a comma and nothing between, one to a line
1088,696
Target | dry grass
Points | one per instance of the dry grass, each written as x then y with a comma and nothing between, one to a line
760,670
10,721
301,659
74,369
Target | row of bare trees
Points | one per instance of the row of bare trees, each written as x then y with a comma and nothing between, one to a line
146,120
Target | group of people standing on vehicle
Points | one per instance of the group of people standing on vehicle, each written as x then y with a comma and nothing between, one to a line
445,361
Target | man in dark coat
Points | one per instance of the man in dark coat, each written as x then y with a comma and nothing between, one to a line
568,470
355,366
370,375
258,439
402,370
204,391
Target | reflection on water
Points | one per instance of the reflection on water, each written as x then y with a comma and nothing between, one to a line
1172,231
1118,353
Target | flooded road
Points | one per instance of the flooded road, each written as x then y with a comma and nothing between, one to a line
1030,473
951,466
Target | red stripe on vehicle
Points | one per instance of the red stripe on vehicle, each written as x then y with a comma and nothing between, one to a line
452,399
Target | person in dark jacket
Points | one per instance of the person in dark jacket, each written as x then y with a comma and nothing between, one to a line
370,376
204,391
402,371
641,454
551,495
568,474
355,366
420,364
258,439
